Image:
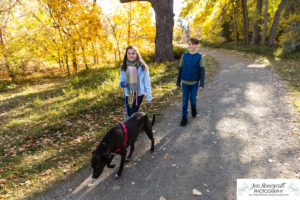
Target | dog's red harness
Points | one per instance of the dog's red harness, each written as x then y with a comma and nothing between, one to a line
125,133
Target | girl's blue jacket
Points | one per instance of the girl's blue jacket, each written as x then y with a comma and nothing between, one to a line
144,84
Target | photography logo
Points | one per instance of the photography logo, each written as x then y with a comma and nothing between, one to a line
268,189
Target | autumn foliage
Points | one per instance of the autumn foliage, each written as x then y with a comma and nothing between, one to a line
67,36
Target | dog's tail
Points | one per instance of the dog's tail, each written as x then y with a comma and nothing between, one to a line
153,120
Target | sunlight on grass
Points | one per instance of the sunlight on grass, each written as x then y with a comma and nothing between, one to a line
17,122
48,131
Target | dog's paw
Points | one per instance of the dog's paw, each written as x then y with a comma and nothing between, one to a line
117,177
127,159
111,166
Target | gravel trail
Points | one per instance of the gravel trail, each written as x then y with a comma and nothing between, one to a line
245,128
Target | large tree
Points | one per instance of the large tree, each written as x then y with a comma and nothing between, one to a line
164,28
256,27
265,22
275,22
245,22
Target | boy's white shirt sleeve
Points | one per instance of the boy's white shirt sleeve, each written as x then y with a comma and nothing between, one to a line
147,84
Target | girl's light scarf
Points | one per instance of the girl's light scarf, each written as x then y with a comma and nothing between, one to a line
132,81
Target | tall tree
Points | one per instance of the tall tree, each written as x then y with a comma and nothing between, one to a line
265,22
245,22
6,8
236,37
256,27
275,22
164,28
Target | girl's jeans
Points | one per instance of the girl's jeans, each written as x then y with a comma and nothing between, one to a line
135,107
188,92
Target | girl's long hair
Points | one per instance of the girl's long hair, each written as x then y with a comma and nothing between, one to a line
139,57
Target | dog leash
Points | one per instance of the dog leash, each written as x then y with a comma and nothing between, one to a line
125,133
125,102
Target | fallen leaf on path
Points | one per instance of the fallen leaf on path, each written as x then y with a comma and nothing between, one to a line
271,161
116,187
165,156
204,184
197,192
162,198
70,190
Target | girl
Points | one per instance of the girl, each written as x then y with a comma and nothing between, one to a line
135,77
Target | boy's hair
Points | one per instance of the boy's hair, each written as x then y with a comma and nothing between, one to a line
193,40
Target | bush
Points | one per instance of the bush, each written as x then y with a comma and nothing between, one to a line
149,56
178,51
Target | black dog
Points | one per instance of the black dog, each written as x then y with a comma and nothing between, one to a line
114,142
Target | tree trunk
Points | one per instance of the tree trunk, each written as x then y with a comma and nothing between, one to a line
84,58
94,3
245,22
164,28
275,22
265,22
10,73
113,28
74,60
235,25
94,53
256,27
129,25
67,64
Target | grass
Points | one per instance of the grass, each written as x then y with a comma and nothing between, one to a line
270,52
48,130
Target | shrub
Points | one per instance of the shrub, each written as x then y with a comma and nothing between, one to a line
178,51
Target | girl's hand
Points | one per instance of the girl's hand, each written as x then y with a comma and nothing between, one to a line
123,84
201,88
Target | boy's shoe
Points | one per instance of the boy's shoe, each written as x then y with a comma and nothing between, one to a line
183,121
194,112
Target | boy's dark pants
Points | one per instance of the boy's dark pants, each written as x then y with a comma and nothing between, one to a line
134,108
189,92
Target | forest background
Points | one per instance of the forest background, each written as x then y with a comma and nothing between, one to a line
59,68
67,36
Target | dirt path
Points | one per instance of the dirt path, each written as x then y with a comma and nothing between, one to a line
243,130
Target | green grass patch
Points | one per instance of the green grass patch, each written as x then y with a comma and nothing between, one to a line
48,131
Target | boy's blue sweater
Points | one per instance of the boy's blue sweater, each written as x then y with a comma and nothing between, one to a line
191,70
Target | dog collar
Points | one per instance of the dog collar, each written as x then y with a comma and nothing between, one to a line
125,134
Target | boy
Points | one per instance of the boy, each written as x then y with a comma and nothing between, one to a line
191,71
